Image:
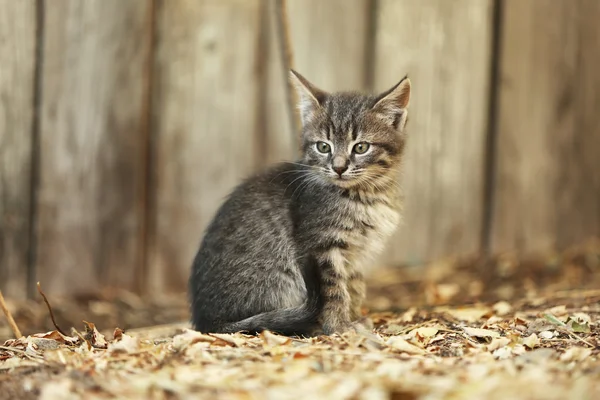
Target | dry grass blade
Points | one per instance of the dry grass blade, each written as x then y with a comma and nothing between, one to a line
9,317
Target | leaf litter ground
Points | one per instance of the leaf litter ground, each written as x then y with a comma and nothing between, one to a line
459,329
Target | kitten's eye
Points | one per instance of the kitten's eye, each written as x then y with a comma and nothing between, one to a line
323,147
361,148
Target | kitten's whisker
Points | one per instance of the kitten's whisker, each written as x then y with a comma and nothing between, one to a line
307,173
309,179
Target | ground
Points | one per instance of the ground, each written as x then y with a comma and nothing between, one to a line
474,328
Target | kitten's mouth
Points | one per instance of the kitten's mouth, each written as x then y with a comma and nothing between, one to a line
344,181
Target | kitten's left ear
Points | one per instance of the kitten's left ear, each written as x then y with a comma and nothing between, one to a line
392,105
311,97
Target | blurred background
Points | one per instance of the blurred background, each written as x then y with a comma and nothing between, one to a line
125,123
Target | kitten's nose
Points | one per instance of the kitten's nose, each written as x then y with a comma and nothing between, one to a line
340,170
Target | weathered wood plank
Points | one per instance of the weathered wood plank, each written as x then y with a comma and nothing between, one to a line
329,44
444,46
95,59
204,128
547,182
17,77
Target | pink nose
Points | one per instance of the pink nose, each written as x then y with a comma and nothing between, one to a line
340,170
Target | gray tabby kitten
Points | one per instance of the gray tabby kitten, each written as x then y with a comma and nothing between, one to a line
286,250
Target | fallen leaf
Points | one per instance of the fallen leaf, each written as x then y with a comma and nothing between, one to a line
271,339
227,339
399,344
94,337
392,329
426,331
502,353
502,308
468,314
558,310
127,344
546,335
118,334
409,315
576,354
579,322
531,341
498,343
190,337
482,333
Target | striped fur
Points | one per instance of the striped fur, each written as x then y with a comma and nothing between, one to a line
288,249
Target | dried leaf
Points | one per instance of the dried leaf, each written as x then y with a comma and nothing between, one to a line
227,339
468,314
502,308
532,341
127,344
393,329
576,354
271,339
426,331
409,315
118,334
190,337
558,310
502,353
482,333
401,345
579,322
92,335
498,343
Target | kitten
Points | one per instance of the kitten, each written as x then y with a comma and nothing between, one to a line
286,250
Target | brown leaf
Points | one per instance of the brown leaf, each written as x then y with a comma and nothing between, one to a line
95,338
118,334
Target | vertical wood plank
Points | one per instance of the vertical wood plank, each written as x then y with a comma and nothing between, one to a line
329,44
444,46
205,102
547,182
92,141
17,79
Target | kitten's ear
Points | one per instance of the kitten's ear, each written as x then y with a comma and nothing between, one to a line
311,97
392,105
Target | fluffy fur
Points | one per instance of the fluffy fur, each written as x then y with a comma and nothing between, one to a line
287,249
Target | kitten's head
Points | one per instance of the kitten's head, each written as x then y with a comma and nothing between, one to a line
352,139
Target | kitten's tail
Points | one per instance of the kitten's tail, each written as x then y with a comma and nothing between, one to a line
302,320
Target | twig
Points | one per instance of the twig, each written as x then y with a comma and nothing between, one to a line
576,336
39,289
9,317
287,58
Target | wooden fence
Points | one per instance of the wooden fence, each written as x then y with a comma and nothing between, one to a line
124,123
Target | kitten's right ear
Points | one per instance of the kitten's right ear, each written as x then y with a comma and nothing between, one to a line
311,97
391,106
